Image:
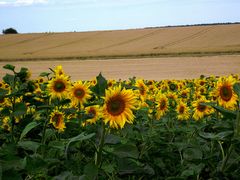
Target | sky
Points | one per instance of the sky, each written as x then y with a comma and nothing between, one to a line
32,16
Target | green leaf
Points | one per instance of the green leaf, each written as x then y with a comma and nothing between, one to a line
192,154
57,145
44,74
28,128
34,164
206,135
3,92
112,139
236,88
126,150
101,85
9,79
225,112
128,166
49,133
80,137
107,167
20,109
187,173
9,67
29,145
91,171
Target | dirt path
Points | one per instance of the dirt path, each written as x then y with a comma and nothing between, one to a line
147,68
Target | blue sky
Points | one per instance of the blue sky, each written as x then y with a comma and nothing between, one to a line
88,15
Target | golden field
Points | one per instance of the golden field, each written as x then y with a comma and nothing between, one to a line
153,53
163,41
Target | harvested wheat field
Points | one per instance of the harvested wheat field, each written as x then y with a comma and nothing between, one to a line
147,68
153,53
170,41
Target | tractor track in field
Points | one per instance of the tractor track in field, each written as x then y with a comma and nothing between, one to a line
193,36
63,44
129,41
26,41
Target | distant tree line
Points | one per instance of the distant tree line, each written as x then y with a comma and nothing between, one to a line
187,25
9,31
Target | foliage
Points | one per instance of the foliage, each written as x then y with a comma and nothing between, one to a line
9,31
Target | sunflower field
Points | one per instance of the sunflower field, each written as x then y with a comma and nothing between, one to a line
55,128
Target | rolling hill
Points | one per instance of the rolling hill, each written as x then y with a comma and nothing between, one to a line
162,41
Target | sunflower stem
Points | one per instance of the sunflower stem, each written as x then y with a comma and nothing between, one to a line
98,161
79,113
237,128
225,160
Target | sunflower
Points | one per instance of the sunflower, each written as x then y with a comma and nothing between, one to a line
6,124
162,105
142,88
59,71
59,87
80,92
94,113
201,110
183,111
118,106
172,97
57,120
111,83
226,96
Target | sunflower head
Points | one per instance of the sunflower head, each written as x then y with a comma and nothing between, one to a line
182,111
80,92
57,120
162,105
142,87
118,106
226,96
200,109
94,113
59,87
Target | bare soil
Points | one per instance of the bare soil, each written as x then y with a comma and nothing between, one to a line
147,68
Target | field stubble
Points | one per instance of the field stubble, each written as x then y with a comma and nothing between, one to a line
147,68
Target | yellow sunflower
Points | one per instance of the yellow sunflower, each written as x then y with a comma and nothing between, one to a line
6,124
201,110
183,111
162,105
142,89
226,96
80,92
57,120
94,113
59,71
118,106
58,87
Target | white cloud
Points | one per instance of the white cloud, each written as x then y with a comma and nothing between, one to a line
22,2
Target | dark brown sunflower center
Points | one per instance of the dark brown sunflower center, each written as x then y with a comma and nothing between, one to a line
92,112
163,104
57,119
116,105
226,93
79,93
1,100
173,87
202,83
142,90
201,108
181,110
59,86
